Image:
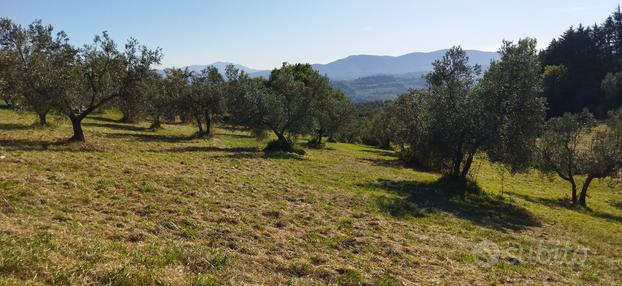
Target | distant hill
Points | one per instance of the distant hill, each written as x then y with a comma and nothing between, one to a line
368,77
354,67
380,87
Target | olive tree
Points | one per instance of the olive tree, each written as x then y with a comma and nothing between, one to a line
407,124
604,156
511,108
138,60
157,102
176,89
331,113
38,63
282,104
452,111
459,116
10,85
570,147
206,98
101,74
377,129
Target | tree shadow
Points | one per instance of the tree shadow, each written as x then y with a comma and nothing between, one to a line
567,204
392,163
125,127
420,199
283,156
617,205
240,155
235,152
397,163
26,145
381,152
14,126
151,137
46,145
233,135
213,149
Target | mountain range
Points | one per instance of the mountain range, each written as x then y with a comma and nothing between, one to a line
369,77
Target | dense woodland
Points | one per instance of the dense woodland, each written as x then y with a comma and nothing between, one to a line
581,69
463,112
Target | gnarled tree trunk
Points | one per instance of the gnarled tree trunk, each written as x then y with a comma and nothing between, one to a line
129,118
201,132
76,124
583,194
319,134
467,167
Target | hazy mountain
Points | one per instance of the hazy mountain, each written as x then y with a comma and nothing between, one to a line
354,67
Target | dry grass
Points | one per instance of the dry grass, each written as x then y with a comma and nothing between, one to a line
138,207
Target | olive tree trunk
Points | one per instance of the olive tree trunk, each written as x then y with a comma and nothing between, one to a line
155,123
583,194
43,117
76,124
208,124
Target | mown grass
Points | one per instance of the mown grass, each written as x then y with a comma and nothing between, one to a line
133,206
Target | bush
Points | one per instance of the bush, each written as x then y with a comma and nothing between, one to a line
277,146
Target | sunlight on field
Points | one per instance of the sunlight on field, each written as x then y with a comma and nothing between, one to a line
132,206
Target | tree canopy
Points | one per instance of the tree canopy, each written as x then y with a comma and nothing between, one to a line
584,57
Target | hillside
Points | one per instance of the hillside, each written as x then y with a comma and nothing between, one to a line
353,67
380,87
137,207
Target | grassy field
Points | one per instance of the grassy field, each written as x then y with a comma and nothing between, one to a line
138,207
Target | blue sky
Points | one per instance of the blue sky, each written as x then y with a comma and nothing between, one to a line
263,34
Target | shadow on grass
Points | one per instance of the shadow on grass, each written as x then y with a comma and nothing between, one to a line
279,155
617,205
119,126
392,163
419,199
567,204
152,137
240,155
235,152
14,126
381,152
397,163
213,149
27,145
233,135
44,145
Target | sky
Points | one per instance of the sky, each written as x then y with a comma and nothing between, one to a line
263,34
